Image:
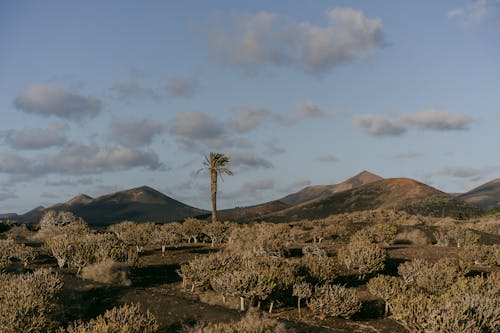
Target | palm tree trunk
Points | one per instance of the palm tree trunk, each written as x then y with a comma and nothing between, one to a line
213,187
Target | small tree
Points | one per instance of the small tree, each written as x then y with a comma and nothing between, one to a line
134,234
302,290
168,234
191,228
217,231
386,287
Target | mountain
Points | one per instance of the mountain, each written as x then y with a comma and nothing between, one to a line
395,193
318,191
138,204
8,216
242,214
486,196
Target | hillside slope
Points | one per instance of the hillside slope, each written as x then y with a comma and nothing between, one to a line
395,193
486,196
317,191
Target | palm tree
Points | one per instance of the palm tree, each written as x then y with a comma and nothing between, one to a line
216,164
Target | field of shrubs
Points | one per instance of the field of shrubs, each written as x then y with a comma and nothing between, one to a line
367,271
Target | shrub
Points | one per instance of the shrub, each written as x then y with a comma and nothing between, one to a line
321,231
382,232
261,239
123,319
216,231
432,278
334,301
487,255
414,236
386,287
10,250
26,300
59,219
191,229
302,290
309,250
470,305
319,269
168,234
134,234
251,323
363,256
463,236
107,271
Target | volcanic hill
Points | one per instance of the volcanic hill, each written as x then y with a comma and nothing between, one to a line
394,193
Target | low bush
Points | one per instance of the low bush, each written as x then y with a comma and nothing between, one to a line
319,269
251,323
334,301
26,300
124,319
107,271
11,250
433,278
387,288
414,236
363,256
487,255
463,236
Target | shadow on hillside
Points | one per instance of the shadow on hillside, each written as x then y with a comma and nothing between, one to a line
154,275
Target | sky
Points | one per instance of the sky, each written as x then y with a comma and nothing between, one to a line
102,96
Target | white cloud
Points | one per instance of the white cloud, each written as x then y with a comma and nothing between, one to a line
182,87
135,132
427,120
378,125
78,159
474,13
131,90
265,39
439,120
309,109
37,138
249,160
467,172
48,100
196,125
328,158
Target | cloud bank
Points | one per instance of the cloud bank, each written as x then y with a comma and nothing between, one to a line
426,120
48,100
265,39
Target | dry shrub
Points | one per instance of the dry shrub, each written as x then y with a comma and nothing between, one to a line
442,238
191,229
263,239
302,290
312,250
168,234
217,231
463,236
58,222
124,319
487,255
107,271
11,250
334,301
134,234
251,323
415,237
434,279
322,230
386,287
319,268
26,300
382,232
363,256
470,305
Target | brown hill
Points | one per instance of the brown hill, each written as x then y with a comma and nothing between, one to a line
243,214
317,191
396,193
486,196
138,204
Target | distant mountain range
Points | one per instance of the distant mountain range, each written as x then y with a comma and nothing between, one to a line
361,192
138,204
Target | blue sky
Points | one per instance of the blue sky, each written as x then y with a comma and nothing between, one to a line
99,96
